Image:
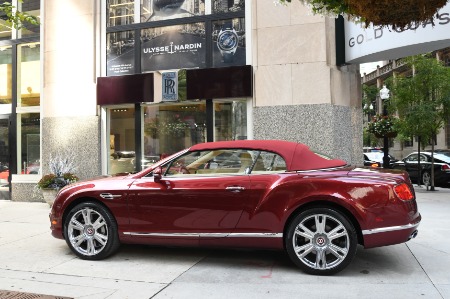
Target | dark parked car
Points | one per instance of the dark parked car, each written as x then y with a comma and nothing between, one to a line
267,194
441,167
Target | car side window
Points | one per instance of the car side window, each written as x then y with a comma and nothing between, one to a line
224,162
268,162
412,158
423,158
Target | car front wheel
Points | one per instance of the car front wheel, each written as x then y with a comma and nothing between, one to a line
321,241
90,231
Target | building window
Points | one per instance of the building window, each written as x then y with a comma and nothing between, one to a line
29,75
408,142
122,158
169,128
120,12
221,6
5,74
447,133
230,120
28,132
152,10
5,29
31,7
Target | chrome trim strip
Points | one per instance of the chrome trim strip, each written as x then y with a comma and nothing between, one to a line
207,235
389,229
256,235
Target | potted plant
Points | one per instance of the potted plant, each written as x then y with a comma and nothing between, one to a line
383,126
61,175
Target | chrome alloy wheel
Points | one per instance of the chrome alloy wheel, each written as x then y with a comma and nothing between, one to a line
88,232
321,242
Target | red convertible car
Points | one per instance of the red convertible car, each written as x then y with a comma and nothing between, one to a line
267,194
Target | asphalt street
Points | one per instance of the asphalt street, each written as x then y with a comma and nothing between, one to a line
32,261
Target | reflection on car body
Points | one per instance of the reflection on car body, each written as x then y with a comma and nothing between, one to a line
266,194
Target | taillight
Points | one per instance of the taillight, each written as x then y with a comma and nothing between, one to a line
403,192
445,167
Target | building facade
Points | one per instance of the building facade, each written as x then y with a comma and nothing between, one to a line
120,84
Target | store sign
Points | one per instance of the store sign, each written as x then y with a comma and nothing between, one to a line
169,86
173,47
383,43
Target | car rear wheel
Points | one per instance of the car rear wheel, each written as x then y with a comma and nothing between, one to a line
426,178
321,241
91,231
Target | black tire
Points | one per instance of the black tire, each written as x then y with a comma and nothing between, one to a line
90,231
313,249
426,178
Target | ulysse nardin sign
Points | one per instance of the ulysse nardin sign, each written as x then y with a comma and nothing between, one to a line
381,43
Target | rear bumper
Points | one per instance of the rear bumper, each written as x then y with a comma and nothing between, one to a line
384,236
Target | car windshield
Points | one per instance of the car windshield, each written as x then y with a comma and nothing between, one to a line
442,157
375,156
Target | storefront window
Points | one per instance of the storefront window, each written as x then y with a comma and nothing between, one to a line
229,42
31,7
122,158
5,75
29,145
157,10
120,53
120,12
29,68
169,128
230,119
173,47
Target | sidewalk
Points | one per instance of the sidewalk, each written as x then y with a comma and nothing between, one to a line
32,261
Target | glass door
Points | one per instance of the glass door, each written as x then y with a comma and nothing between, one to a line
4,157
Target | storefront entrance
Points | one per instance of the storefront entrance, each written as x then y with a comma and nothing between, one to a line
167,128
4,158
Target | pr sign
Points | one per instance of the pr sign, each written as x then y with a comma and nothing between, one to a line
169,86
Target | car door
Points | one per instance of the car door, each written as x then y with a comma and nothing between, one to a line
190,201
411,165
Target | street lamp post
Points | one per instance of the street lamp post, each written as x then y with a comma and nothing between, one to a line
369,110
384,95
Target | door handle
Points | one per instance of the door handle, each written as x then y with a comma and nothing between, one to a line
235,188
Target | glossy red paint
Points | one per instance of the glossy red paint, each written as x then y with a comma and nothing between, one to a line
247,210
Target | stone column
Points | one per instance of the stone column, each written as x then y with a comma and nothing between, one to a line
300,94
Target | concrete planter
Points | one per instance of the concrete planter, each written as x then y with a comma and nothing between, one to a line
49,195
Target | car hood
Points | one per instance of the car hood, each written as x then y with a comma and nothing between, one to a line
96,181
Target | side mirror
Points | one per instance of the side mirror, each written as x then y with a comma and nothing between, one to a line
157,174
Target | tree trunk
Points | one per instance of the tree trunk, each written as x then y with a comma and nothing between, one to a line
432,163
419,171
